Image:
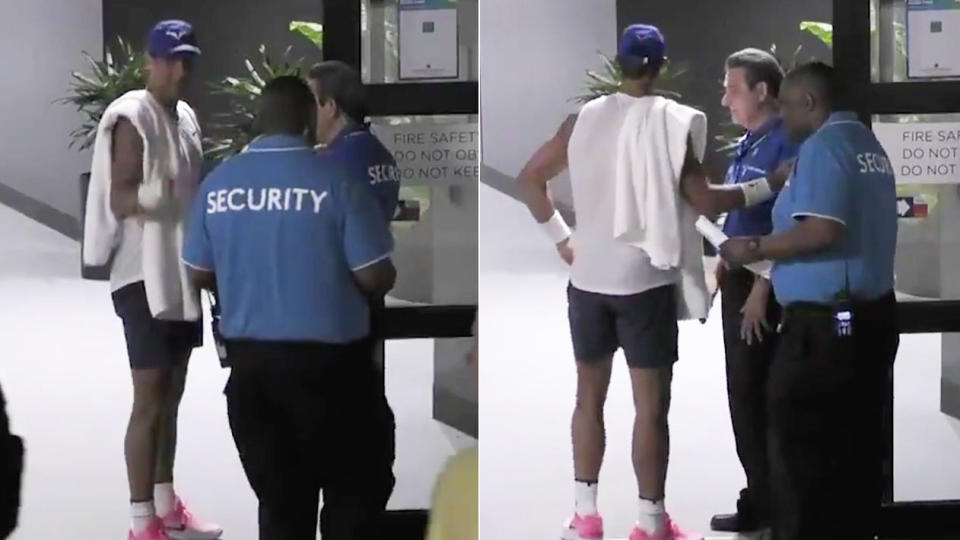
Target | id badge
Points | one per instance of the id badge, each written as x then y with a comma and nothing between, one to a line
843,322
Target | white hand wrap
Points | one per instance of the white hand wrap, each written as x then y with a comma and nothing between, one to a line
555,228
756,191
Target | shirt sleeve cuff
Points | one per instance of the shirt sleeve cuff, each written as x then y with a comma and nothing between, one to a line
796,215
372,262
195,266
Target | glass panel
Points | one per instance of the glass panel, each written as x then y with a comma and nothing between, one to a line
927,373
423,444
436,230
894,33
381,41
925,162
926,440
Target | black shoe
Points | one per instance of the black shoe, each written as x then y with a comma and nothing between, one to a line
738,523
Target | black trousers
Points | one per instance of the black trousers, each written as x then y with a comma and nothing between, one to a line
826,402
11,472
747,371
308,418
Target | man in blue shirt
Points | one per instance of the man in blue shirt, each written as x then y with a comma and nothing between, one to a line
345,135
297,250
833,243
751,86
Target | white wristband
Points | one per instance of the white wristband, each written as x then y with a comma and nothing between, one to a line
555,228
756,191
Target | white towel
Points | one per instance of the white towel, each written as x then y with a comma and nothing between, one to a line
170,294
649,212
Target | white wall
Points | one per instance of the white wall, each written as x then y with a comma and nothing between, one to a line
42,41
534,57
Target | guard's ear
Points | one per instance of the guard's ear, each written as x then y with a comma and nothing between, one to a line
762,90
809,102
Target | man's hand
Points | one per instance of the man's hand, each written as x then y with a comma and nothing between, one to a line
720,273
778,179
738,252
565,249
754,311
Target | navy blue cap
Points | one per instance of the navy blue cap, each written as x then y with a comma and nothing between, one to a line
642,44
172,38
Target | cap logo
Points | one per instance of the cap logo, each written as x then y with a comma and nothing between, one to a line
176,34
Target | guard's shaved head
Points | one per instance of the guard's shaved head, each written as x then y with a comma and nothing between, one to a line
807,99
286,106
817,79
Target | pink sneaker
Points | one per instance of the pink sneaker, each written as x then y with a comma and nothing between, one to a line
154,531
583,528
672,532
181,524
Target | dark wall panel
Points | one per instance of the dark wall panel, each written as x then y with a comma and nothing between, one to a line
229,31
702,33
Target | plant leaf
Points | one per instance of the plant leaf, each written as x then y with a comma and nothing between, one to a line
823,31
311,30
121,70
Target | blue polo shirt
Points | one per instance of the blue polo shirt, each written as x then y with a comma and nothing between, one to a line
757,155
843,174
360,152
283,229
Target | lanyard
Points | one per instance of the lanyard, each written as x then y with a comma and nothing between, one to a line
743,150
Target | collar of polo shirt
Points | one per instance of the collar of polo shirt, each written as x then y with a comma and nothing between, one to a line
277,143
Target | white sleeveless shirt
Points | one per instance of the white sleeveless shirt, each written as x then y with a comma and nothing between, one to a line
602,264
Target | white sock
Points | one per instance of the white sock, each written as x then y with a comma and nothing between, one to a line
141,514
585,498
652,516
165,498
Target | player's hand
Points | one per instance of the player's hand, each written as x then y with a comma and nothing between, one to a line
565,249
779,177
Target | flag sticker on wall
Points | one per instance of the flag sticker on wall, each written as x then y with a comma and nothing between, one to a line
912,207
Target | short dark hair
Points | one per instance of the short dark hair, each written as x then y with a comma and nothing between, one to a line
632,71
760,67
286,106
341,83
819,79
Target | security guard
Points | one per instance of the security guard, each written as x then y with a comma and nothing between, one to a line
833,244
345,135
297,250
750,312
11,470
345,139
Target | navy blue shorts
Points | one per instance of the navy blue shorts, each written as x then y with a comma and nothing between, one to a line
153,343
644,325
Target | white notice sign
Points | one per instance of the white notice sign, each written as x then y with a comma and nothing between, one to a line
922,153
430,153
429,37
933,29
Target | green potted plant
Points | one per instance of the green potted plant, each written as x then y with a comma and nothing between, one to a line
121,70
234,129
